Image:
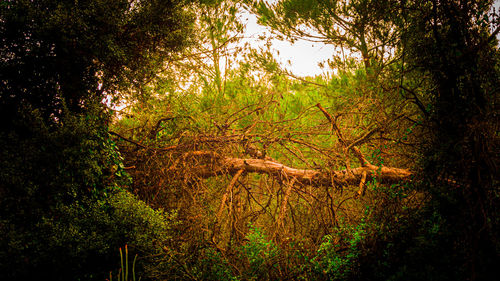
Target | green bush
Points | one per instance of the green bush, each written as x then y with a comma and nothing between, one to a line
338,256
213,266
62,213
261,255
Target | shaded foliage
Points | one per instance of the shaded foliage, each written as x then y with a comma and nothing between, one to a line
64,211
74,52
419,90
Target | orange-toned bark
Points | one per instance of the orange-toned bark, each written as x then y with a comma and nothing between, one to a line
306,176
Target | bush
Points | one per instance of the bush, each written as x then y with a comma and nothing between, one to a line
338,255
63,215
261,255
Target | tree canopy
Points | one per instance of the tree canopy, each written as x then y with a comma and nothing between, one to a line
149,139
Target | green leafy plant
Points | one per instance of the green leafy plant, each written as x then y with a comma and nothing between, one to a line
338,256
212,265
260,253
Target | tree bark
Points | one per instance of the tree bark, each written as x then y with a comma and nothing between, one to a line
229,165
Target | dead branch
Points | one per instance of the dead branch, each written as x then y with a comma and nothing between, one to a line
362,185
284,204
228,190
128,140
229,165
348,147
156,128
334,124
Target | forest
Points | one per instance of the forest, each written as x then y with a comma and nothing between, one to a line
151,140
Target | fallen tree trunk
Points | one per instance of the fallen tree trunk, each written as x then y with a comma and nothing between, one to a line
230,165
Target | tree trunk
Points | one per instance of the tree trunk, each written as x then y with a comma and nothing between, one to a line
230,165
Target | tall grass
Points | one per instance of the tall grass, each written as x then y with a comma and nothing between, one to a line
123,271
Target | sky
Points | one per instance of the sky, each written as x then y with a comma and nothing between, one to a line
303,56
300,58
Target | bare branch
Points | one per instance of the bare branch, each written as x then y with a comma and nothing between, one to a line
362,185
231,165
229,188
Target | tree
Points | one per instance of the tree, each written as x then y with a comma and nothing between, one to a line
75,53
461,57
447,64
269,128
62,183
364,27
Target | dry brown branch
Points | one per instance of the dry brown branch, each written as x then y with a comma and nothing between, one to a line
362,185
288,73
284,203
360,156
334,124
363,138
156,128
228,190
128,140
348,147
305,176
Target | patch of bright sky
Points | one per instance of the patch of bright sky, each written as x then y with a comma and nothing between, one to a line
301,58
496,8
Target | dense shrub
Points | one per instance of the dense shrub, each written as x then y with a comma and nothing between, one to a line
63,215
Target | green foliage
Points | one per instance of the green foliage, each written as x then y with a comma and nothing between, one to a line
57,52
365,27
338,254
213,266
62,210
53,164
144,229
79,241
260,253
428,74
461,59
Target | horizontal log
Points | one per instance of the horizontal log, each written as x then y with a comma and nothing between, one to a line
306,176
